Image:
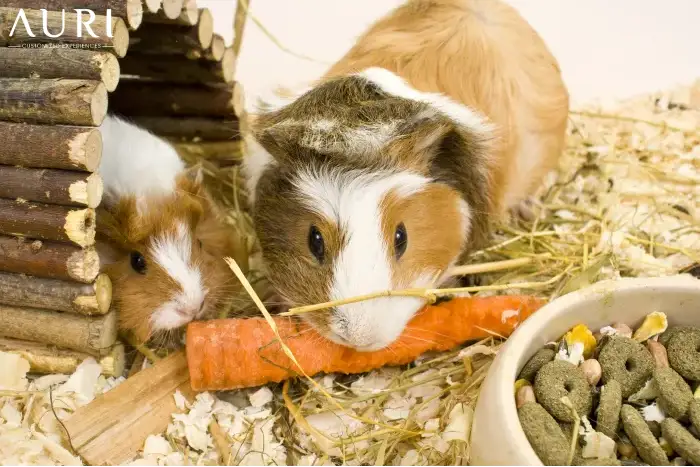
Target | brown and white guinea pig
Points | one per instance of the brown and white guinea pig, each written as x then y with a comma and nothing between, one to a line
444,116
159,236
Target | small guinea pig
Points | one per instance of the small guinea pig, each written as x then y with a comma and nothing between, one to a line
158,235
443,117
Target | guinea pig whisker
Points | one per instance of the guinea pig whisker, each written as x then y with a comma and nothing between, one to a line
413,328
428,341
391,349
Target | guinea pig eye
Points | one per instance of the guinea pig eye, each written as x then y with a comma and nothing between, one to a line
138,262
316,245
400,240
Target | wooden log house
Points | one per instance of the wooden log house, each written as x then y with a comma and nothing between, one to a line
164,68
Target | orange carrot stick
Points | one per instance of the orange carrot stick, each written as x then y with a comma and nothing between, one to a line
237,353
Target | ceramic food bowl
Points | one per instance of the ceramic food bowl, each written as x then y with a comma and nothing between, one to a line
497,437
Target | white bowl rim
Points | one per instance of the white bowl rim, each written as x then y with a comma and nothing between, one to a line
502,368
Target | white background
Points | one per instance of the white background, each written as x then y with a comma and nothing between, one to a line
606,48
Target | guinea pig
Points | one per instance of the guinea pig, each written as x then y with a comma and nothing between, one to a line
441,119
159,236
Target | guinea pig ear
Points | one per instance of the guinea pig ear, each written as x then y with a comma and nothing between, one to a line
191,180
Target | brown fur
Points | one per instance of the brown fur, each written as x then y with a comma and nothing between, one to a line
481,53
121,230
437,147
434,224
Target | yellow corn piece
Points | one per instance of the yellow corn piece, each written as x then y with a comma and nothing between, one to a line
582,335
520,383
655,323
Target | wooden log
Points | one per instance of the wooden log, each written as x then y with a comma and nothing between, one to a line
93,335
174,69
215,52
130,11
190,128
227,70
54,294
151,7
188,15
55,147
102,28
47,222
111,429
239,20
172,8
49,359
214,151
60,63
241,112
48,259
51,186
239,100
54,101
175,39
160,99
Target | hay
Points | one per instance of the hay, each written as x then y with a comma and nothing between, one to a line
624,203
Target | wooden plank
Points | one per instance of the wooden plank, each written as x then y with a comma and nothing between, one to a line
112,429
55,294
54,147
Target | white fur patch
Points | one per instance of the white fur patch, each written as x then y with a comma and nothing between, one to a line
136,162
397,86
255,163
352,200
174,254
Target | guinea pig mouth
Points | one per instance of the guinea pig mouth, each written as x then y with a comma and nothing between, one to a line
338,339
188,314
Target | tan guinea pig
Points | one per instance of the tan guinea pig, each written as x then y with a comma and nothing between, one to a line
159,236
445,115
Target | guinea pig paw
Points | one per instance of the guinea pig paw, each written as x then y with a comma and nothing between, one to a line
527,210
